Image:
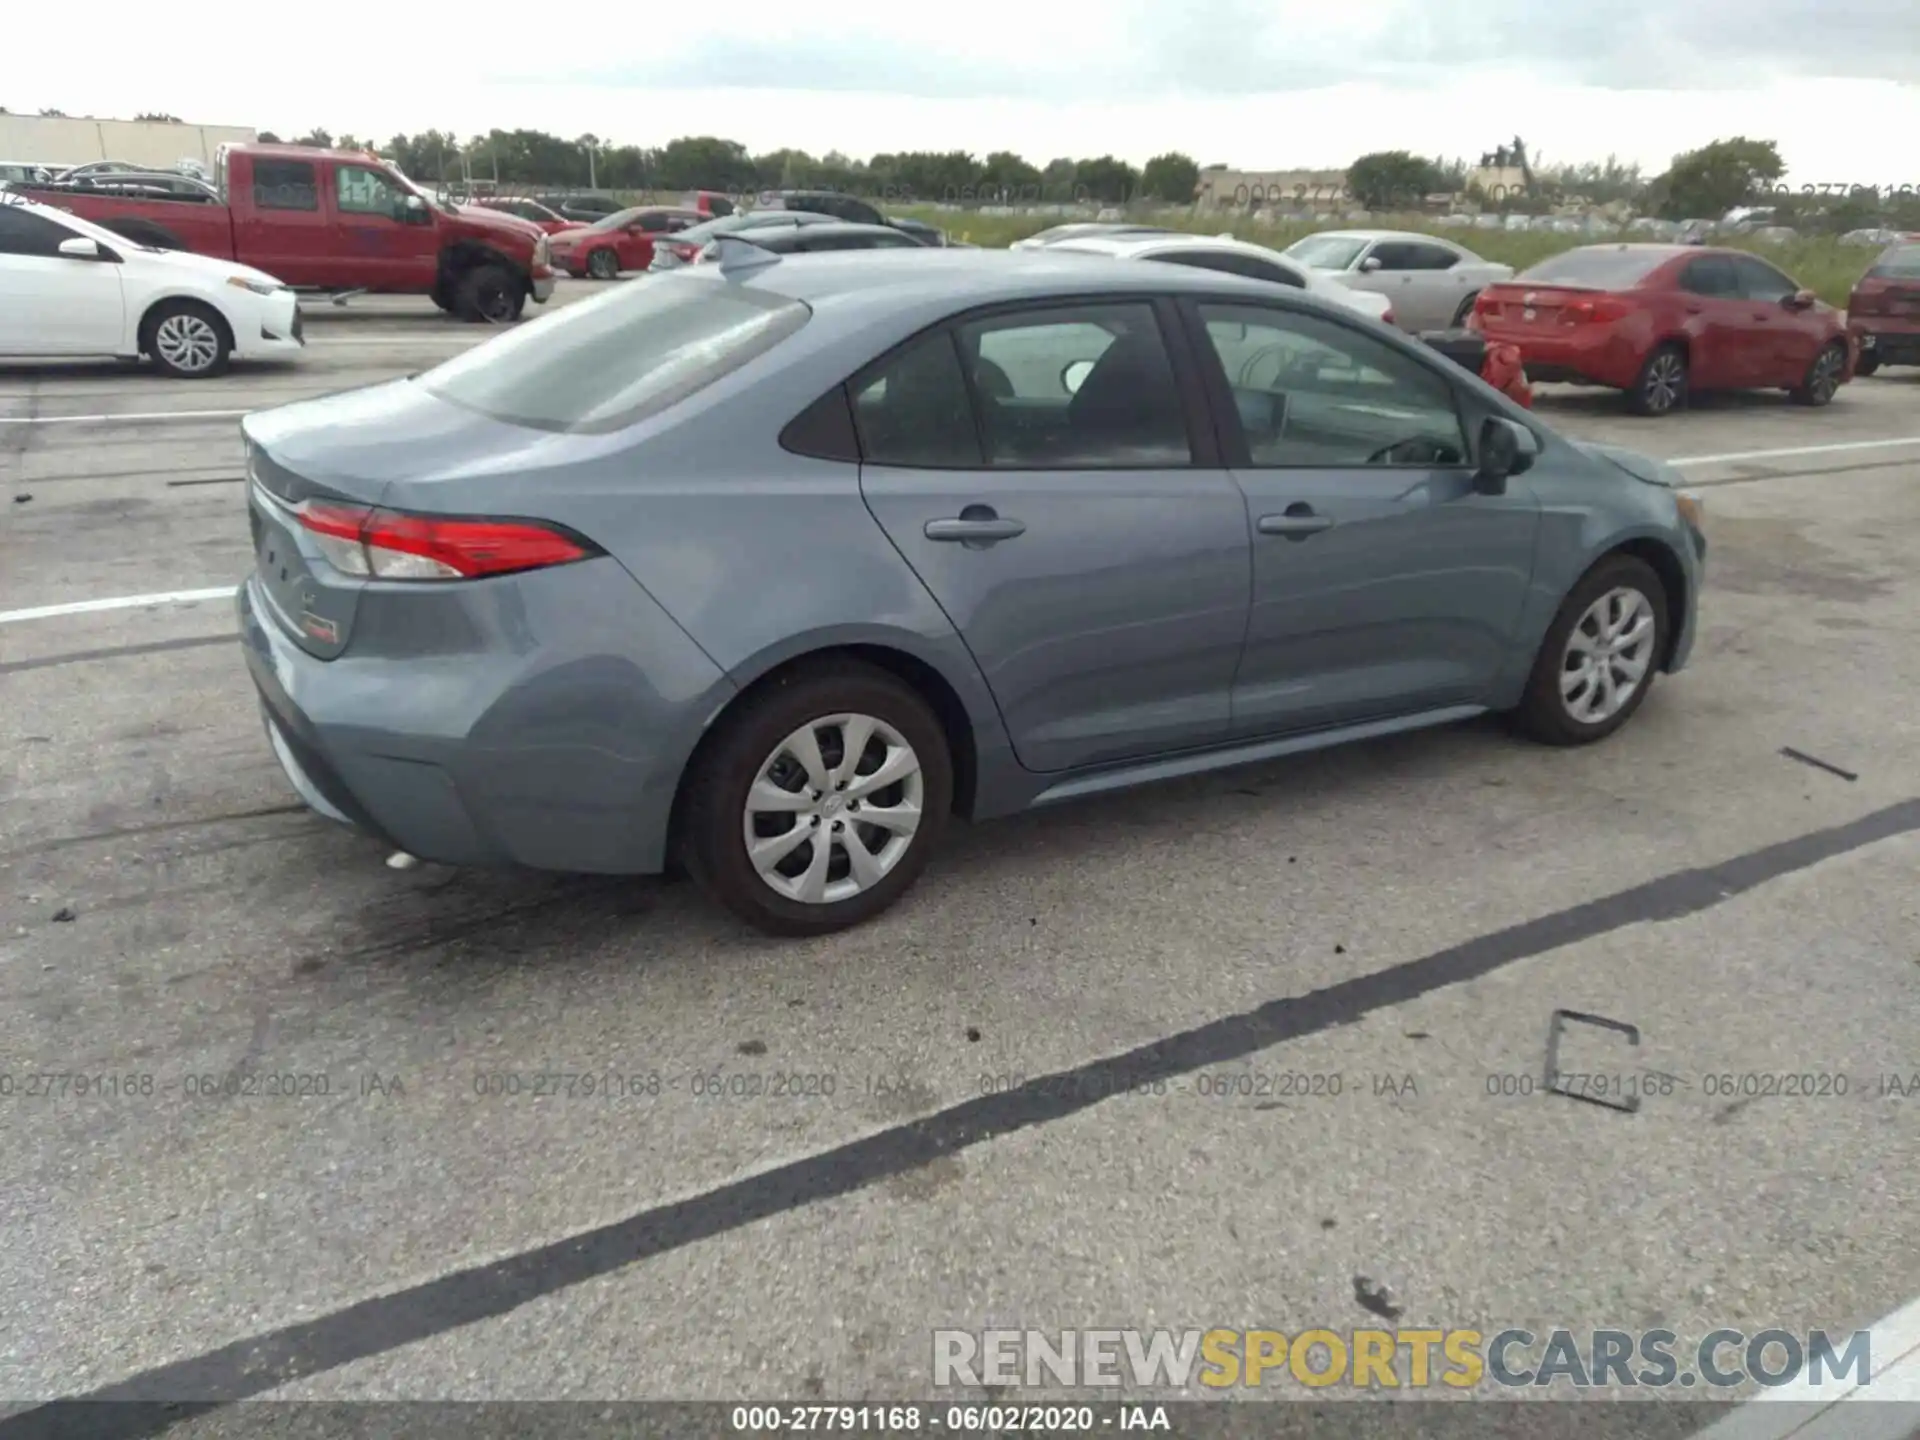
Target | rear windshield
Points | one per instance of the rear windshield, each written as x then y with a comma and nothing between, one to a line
609,362
1597,269
1902,262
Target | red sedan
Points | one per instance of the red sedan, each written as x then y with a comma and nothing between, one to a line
622,241
1663,321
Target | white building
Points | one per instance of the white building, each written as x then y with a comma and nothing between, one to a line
60,141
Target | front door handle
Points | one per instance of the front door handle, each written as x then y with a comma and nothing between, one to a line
1694,309
975,529
1296,523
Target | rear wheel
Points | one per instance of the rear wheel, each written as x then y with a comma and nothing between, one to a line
1661,385
816,805
1465,312
1867,365
1598,659
186,340
1823,376
603,265
489,294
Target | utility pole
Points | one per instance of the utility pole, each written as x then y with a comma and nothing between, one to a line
593,178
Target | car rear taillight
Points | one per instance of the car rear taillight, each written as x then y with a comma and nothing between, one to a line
389,545
1485,304
1596,312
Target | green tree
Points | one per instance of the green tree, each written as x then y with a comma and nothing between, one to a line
696,162
267,137
53,114
1392,180
1107,179
153,117
1708,182
316,140
1172,177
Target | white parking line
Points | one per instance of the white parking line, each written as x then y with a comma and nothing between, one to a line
1893,1379
1740,455
117,602
143,416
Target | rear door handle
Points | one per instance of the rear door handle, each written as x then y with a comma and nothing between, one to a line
1297,523
976,530
1694,309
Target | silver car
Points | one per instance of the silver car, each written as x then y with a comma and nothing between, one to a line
777,564
1430,282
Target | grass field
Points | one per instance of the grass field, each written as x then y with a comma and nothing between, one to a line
1823,265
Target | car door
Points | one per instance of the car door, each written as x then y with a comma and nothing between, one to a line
1726,346
279,224
1049,474
1424,291
1383,582
54,304
381,241
1786,339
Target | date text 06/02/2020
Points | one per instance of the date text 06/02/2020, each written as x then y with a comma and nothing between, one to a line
934,1418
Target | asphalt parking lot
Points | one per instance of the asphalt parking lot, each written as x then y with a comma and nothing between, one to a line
1404,917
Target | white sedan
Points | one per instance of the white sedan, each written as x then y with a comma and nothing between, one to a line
69,289
1232,257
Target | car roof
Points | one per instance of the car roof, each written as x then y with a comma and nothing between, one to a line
1129,245
1372,236
835,227
968,279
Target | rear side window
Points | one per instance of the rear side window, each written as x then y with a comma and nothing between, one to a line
284,185
612,361
1601,269
1712,276
1902,262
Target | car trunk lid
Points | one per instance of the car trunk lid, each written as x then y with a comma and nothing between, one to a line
1513,305
1890,297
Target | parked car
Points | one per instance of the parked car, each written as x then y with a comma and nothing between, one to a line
812,239
923,234
849,208
1431,282
1230,257
1083,230
1883,312
23,172
1066,527
685,247
100,167
137,185
1661,322
623,241
583,207
338,221
710,204
549,220
69,288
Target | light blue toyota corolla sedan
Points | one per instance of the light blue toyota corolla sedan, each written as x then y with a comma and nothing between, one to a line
773,565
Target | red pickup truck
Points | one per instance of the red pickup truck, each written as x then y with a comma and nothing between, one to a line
338,221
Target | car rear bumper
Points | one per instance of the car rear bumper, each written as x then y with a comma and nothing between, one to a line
547,748
1888,342
1573,355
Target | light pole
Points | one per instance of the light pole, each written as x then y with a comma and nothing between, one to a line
593,180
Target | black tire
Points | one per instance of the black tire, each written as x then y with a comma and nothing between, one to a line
1461,316
1661,386
489,295
713,842
1822,380
186,340
441,299
603,264
1868,364
1544,713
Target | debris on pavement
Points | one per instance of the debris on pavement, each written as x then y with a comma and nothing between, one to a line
1376,1297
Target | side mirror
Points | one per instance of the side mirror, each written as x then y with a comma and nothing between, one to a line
1506,450
1075,375
413,209
80,248
1369,265
1801,300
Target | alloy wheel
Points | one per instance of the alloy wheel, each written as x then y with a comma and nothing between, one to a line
1666,378
1608,655
834,809
187,342
1826,374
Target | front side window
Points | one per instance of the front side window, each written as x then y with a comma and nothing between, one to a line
1760,281
1429,257
1309,392
1326,252
24,233
612,361
359,191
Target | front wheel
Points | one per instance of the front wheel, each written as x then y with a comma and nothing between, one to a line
1598,659
490,295
1823,375
1661,386
816,806
186,340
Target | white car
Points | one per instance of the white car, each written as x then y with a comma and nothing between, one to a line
1232,257
69,288
1431,282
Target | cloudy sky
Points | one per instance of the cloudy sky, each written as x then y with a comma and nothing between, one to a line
1255,84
